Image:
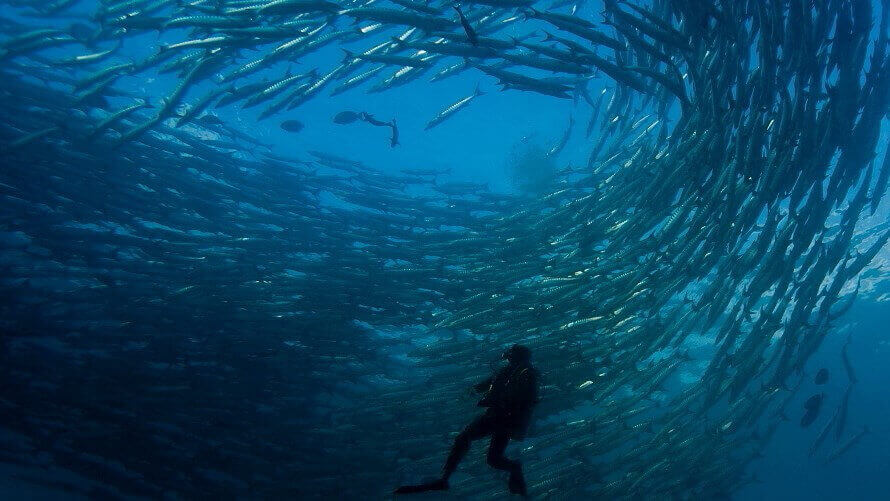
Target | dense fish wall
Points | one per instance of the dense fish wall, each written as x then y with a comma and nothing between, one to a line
186,312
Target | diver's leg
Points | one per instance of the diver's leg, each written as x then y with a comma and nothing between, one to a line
478,428
496,459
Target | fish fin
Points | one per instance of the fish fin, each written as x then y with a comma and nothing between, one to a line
348,55
478,91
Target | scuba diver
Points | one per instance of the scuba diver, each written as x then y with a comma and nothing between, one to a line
348,117
510,396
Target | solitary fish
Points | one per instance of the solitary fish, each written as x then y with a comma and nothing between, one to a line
292,125
846,445
812,406
452,109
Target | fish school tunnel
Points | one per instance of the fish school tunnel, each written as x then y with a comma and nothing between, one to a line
269,249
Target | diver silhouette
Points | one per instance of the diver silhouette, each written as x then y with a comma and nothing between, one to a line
510,396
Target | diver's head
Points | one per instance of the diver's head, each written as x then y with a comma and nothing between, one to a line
517,354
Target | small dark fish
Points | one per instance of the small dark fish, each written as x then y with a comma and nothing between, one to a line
813,403
822,376
292,125
346,117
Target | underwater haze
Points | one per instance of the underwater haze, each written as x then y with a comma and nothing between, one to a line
264,249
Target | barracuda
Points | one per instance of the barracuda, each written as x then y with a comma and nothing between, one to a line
175,286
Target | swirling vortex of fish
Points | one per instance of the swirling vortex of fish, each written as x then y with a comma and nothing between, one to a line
188,313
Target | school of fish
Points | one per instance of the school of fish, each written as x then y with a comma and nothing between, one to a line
188,313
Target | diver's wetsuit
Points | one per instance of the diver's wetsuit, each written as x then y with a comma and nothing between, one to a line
510,397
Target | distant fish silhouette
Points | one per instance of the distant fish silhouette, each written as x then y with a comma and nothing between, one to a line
822,376
292,125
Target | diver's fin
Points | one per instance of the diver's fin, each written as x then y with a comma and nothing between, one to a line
436,485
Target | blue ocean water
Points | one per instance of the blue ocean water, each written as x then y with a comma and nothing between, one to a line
476,145
787,472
